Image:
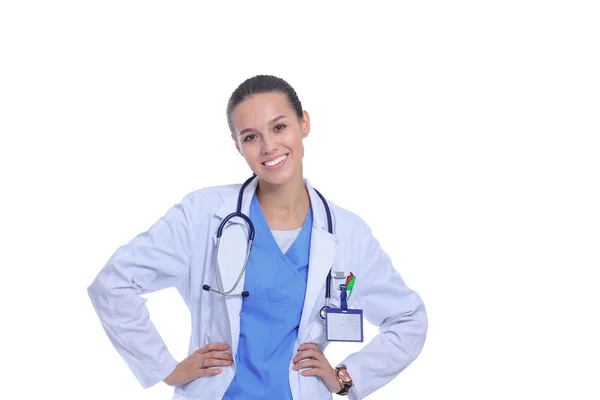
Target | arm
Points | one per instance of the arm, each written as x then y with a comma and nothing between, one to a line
153,260
398,311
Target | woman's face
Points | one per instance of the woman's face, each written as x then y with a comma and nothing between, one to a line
269,135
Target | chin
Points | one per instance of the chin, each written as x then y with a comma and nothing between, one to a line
276,177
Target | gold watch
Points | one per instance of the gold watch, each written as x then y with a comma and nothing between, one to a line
345,380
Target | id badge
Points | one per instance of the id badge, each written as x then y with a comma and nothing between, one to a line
344,325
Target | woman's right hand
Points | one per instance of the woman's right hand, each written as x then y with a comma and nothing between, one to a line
192,367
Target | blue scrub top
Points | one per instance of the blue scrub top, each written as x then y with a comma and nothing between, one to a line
271,314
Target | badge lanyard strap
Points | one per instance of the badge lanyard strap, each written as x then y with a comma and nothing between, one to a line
343,302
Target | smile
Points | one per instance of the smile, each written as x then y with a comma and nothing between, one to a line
276,161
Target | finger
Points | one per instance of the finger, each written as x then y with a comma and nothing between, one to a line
312,372
209,371
219,355
213,362
308,354
304,356
212,347
307,364
308,346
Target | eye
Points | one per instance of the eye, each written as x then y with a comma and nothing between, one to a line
279,127
249,138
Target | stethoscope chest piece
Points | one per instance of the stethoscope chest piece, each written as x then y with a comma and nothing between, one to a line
323,312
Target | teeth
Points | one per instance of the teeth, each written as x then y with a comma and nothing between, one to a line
275,161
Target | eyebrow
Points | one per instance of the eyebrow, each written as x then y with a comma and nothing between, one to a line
270,122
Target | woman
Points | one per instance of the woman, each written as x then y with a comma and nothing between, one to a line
258,332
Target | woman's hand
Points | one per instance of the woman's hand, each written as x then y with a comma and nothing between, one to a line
198,364
310,356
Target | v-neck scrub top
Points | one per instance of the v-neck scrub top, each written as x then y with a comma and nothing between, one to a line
270,316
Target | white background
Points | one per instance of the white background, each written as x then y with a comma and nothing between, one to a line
465,133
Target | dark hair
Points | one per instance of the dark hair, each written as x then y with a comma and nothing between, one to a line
262,84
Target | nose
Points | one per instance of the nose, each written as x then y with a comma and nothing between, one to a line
268,144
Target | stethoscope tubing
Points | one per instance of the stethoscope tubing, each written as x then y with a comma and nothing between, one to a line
238,213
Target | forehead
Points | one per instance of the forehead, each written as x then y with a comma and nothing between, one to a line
257,110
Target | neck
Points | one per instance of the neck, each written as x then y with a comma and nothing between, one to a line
284,204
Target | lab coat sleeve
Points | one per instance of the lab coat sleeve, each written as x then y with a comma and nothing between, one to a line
153,260
399,312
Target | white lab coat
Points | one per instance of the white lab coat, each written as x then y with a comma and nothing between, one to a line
178,250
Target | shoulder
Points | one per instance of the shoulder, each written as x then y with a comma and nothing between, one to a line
346,221
208,199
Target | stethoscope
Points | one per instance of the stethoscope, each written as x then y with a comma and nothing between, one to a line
239,213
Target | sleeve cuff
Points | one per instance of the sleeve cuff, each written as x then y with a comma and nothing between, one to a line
353,392
161,374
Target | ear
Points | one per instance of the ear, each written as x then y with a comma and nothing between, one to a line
305,124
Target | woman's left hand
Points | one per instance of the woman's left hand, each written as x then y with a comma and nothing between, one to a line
310,356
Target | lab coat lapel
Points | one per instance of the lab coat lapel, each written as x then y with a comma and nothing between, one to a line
232,251
233,244
323,250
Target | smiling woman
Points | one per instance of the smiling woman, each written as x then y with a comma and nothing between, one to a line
268,125
302,259
272,138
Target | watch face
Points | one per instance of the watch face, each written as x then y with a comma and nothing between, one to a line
344,376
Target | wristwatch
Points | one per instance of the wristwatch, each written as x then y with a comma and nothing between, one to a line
344,378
